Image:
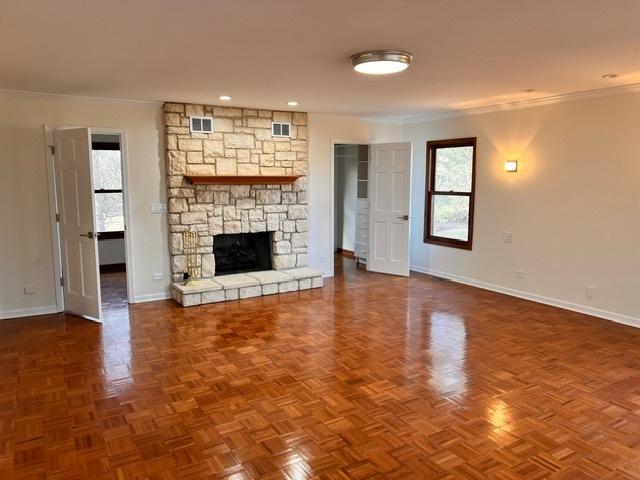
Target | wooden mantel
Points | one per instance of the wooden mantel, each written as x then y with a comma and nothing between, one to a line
241,179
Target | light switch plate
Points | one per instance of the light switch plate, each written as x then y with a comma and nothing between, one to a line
158,208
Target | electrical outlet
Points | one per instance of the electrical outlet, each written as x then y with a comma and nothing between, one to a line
29,289
158,208
590,291
521,274
508,237
157,276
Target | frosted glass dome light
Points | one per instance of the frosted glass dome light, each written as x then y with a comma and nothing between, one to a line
381,62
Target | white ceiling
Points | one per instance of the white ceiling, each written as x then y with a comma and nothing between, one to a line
468,53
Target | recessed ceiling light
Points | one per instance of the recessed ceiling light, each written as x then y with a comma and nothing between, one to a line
292,103
381,62
528,90
609,76
224,98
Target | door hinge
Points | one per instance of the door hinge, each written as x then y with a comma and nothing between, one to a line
52,149
57,217
62,281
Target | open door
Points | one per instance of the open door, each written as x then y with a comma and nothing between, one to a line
74,197
389,199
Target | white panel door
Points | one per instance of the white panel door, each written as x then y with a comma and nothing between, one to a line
74,196
389,211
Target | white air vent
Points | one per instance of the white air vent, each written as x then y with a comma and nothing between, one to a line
280,129
201,124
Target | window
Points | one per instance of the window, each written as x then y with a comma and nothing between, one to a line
107,182
450,191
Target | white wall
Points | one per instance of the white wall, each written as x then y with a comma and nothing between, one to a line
574,204
322,131
25,233
345,185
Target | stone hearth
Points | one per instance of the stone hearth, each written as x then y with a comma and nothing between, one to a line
246,285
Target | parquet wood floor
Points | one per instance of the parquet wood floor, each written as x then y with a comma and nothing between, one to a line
369,377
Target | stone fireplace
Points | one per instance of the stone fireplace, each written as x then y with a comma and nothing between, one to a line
216,185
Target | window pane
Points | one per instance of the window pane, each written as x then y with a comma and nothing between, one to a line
363,186
107,170
450,217
363,170
109,212
454,167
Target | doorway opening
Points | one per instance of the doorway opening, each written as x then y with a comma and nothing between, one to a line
106,159
89,212
351,213
382,214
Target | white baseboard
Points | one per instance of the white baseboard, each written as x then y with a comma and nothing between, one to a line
554,302
49,309
151,297
28,312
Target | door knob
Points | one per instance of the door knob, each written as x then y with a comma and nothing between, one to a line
404,217
88,234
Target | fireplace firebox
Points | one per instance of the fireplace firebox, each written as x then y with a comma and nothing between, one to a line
242,252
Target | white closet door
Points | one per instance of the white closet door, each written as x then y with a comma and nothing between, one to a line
389,211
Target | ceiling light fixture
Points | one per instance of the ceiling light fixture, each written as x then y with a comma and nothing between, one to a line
292,103
224,98
609,76
381,62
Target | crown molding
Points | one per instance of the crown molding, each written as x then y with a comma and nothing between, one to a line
359,119
536,102
77,98
500,107
371,120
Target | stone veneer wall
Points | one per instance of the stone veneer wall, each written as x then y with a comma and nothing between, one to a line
240,145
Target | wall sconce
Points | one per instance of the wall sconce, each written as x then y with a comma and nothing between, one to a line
511,166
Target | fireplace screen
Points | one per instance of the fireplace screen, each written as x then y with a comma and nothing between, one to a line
242,252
